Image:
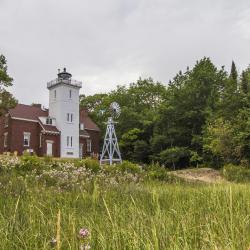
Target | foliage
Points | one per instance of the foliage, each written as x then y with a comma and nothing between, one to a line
201,117
91,164
131,215
7,100
5,79
174,155
129,167
236,173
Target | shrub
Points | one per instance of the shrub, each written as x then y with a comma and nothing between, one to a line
236,173
175,156
30,162
91,164
127,166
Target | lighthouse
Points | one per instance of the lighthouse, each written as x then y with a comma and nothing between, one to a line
64,108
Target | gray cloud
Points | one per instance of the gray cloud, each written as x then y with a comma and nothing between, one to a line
110,42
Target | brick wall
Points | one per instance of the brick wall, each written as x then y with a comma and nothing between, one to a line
18,128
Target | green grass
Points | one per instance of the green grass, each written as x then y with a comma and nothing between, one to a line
128,216
123,207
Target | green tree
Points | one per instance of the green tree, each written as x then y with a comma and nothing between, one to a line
245,81
191,98
5,79
7,100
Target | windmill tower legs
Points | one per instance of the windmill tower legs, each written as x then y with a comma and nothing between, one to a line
110,151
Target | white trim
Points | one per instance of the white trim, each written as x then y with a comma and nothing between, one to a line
50,141
23,119
47,131
89,145
28,134
41,124
40,140
92,129
50,132
85,136
5,140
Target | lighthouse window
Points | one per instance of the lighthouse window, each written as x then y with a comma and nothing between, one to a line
69,141
70,93
69,117
55,94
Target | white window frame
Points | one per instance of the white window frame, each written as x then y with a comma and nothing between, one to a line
81,126
69,141
6,121
40,140
70,117
89,145
49,121
28,138
5,139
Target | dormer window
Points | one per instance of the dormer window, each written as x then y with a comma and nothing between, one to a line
49,121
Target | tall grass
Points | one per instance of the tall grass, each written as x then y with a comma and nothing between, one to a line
128,216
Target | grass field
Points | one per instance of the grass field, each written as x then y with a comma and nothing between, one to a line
126,215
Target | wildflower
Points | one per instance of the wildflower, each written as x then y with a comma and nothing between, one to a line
53,242
83,233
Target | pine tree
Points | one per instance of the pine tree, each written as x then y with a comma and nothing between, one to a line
245,81
233,77
233,74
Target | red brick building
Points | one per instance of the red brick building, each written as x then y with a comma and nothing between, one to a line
23,129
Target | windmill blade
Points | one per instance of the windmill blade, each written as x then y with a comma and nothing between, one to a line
115,109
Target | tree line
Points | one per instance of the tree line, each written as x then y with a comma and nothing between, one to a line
202,116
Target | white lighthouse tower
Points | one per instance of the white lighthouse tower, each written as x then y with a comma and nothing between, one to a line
64,107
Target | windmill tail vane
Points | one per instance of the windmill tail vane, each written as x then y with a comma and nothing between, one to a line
110,151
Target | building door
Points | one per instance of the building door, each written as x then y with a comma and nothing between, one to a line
81,150
49,148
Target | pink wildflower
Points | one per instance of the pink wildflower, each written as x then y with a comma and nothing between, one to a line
84,233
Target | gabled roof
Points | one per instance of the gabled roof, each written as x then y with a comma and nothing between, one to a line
28,112
87,121
49,128
33,112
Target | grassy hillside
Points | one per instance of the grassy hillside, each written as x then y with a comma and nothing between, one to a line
122,209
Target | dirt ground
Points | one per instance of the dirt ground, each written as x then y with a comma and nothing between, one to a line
207,175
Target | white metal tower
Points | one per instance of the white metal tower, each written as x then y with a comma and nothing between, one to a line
110,151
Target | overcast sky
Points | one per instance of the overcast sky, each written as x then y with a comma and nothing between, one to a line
109,42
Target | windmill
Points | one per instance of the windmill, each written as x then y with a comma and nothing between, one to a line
110,151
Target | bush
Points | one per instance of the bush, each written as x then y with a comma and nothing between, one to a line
236,173
127,166
30,162
91,164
